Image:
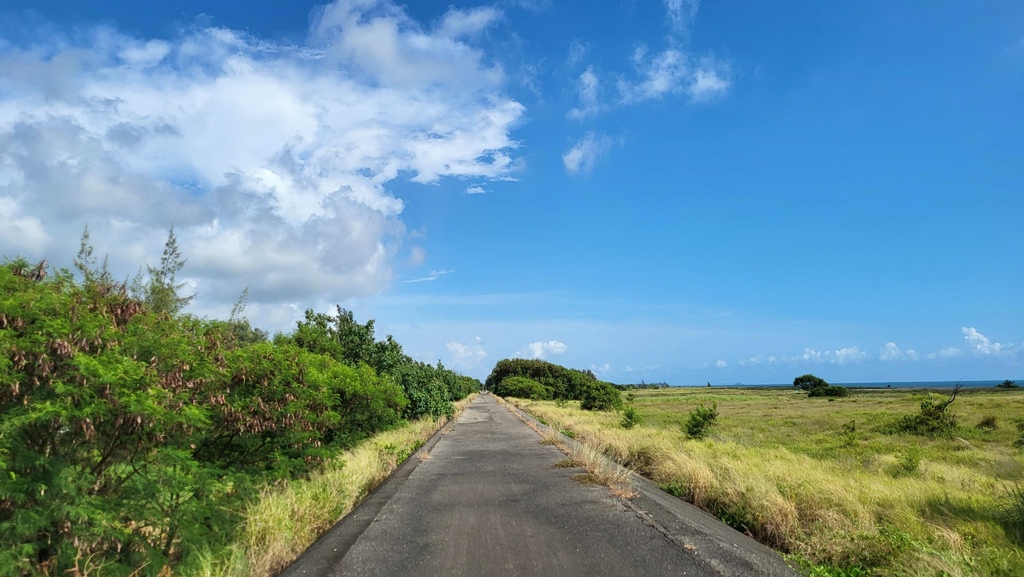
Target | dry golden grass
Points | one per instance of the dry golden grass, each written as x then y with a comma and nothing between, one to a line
289,517
599,470
782,468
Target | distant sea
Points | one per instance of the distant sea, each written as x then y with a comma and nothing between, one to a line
899,384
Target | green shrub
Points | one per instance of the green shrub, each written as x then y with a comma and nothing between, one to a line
522,388
130,438
829,391
564,383
934,420
426,391
1007,384
631,417
700,420
600,396
808,382
818,387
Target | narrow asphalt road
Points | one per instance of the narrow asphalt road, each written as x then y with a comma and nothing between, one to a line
489,500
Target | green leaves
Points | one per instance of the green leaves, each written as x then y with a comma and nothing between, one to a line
131,435
557,381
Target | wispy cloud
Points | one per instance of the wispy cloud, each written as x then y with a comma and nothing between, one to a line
834,357
577,50
680,14
583,156
671,72
434,275
462,23
589,87
476,189
417,256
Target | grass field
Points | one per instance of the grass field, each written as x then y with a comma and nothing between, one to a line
831,483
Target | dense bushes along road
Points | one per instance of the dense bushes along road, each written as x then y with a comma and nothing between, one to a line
541,380
131,434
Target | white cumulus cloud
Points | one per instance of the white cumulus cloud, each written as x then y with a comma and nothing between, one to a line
542,349
981,344
466,356
892,352
272,160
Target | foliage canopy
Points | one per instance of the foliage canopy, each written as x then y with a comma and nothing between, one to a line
557,381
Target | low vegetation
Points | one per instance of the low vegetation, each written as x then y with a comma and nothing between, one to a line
818,387
541,380
838,484
133,436
287,517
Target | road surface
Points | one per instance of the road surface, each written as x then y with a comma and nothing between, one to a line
489,500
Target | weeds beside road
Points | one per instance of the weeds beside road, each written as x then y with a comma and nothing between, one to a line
831,482
287,518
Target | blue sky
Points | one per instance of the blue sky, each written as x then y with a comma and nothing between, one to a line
656,190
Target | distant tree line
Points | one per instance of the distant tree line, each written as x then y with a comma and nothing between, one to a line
643,385
132,434
541,380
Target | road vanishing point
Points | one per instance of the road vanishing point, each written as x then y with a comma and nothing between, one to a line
490,500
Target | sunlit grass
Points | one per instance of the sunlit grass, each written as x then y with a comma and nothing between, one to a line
826,481
288,517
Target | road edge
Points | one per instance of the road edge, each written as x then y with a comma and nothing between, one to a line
722,548
331,547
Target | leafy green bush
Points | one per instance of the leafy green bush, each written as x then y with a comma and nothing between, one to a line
818,387
522,388
600,396
564,383
1007,384
130,437
631,417
829,391
700,420
934,420
345,340
427,393
808,382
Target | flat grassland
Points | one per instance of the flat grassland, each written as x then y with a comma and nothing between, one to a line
833,483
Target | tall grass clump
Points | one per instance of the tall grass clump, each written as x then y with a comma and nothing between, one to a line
1011,512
